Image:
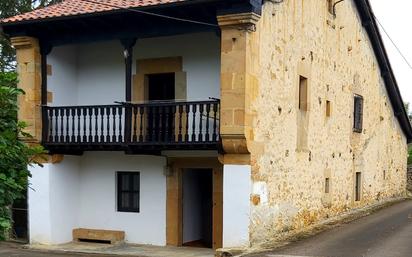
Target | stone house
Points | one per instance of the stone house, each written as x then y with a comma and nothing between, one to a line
212,123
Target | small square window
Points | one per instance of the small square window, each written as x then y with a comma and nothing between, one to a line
358,114
128,191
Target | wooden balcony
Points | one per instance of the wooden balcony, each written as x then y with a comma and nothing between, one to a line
134,128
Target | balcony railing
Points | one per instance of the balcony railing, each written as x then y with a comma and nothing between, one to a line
155,125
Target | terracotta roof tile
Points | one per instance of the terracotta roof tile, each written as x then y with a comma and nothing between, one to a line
81,7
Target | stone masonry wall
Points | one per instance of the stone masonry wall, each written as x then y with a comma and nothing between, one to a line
409,183
296,38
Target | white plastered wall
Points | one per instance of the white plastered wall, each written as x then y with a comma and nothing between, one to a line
81,192
53,201
236,208
98,190
94,73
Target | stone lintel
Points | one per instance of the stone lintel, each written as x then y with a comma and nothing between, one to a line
235,159
49,158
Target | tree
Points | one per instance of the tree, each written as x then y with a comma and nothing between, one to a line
408,111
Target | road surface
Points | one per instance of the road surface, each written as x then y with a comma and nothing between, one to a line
386,233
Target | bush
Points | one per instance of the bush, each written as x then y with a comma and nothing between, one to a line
15,155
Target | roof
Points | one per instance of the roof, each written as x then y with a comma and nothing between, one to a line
83,7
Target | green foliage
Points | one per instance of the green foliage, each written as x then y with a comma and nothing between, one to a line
408,111
409,155
15,155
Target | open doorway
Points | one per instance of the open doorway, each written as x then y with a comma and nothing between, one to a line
20,219
161,86
197,203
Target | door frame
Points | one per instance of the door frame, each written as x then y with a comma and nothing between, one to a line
174,199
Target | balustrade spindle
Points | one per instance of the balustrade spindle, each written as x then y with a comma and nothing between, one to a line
108,138
73,114
214,136
79,114
134,137
179,136
101,124
120,124
89,111
61,125
114,137
166,119
159,123
67,110
153,121
207,122
149,123
187,123
141,108
50,111
173,122
194,110
96,129
201,106
56,129
84,124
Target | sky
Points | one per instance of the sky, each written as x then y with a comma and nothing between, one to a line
396,18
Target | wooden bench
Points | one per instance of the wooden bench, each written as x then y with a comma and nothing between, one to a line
98,235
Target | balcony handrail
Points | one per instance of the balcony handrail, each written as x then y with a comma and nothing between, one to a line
151,103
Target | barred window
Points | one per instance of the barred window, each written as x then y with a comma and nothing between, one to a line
358,114
128,191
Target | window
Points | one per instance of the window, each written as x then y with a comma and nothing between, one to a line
327,185
302,115
128,191
358,114
330,6
303,93
328,108
358,186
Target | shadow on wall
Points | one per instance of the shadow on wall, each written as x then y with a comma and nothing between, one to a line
409,183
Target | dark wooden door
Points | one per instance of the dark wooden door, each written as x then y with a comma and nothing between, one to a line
161,119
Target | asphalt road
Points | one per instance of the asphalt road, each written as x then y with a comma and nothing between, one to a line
386,233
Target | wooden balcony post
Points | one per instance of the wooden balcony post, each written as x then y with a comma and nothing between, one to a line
128,45
45,49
